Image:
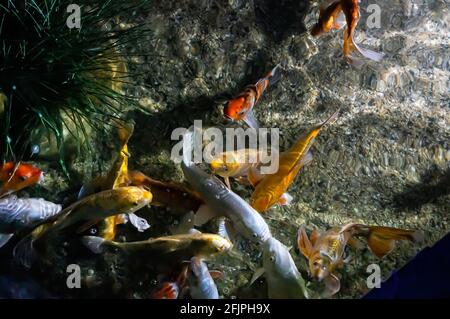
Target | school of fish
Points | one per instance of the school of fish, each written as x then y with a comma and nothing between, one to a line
181,258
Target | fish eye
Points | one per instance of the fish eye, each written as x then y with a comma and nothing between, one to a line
24,177
272,258
255,235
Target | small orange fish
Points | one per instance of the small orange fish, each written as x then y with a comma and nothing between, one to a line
241,107
14,177
271,188
325,252
331,18
168,290
173,289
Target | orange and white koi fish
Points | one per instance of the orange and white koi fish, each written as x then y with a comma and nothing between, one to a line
17,176
241,107
271,189
331,18
325,252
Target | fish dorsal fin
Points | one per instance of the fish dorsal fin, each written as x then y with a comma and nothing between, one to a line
303,242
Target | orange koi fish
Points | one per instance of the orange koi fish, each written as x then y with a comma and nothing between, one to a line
326,252
331,18
271,188
14,177
241,107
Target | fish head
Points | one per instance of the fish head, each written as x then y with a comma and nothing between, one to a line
319,266
235,109
213,244
222,167
131,198
276,256
215,186
20,176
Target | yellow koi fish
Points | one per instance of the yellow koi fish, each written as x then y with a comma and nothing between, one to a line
271,188
235,164
325,252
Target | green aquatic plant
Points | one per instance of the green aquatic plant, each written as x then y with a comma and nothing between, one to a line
57,79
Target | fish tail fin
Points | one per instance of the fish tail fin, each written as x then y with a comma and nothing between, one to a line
381,240
331,119
97,245
274,75
369,54
24,252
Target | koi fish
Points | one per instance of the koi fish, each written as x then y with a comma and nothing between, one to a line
89,210
221,201
284,281
116,177
167,250
325,252
14,177
234,164
200,282
331,18
241,107
271,189
17,214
